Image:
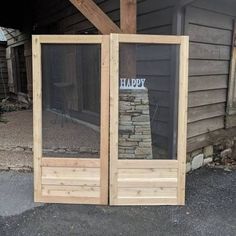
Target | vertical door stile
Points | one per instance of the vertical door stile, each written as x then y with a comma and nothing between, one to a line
37,118
85,179
114,115
182,118
144,181
105,106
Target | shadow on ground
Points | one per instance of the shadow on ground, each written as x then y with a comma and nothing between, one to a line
210,210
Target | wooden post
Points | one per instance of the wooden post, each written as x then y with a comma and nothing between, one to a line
128,16
96,16
128,24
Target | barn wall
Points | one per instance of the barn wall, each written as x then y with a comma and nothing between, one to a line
4,90
62,17
210,27
15,37
154,17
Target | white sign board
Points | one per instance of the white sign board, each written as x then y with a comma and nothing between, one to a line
132,83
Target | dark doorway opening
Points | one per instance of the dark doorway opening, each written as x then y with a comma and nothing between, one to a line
20,65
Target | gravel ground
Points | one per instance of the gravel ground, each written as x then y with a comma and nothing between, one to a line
18,132
16,138
210,210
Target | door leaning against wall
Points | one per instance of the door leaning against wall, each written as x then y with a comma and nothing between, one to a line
146,110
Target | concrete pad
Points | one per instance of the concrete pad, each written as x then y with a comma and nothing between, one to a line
16,195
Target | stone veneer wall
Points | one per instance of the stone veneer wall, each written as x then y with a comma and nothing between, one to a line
134,125
217,152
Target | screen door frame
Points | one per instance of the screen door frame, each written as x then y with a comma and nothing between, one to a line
41,161
180,163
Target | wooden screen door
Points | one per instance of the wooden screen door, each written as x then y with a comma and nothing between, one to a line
68,169
148,117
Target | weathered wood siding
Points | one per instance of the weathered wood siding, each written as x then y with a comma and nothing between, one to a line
154,16
15,37
4,90
210,28
209,25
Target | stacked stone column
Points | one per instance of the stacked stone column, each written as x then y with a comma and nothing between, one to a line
134,125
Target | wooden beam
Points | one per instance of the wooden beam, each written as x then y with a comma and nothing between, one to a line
128,16
96,16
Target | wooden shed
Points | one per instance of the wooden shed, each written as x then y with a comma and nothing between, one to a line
3,67
210,26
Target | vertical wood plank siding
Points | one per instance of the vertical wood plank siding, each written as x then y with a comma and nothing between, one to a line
4,90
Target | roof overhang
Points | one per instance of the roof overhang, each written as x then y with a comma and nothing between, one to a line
15,14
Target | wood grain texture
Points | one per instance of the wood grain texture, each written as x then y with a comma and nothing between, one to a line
147,182
71,180
114,115
182,118
37,117
96,16
105,110
128,16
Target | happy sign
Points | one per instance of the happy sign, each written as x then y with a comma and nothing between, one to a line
135,83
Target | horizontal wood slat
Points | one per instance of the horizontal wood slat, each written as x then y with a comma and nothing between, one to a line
147,182
202,98
162,164
208,82
70,162
72,181
205,126
147,173
205,112
147,201
70,172
70,191
147,192
70,200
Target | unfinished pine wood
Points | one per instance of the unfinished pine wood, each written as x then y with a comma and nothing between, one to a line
66,172
70,199
105,109
70,162
161,164
147,192
148,182
71,180
71,39
96,16
182,118
71,191
37,117
114,115
147,201
146,173
139,38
